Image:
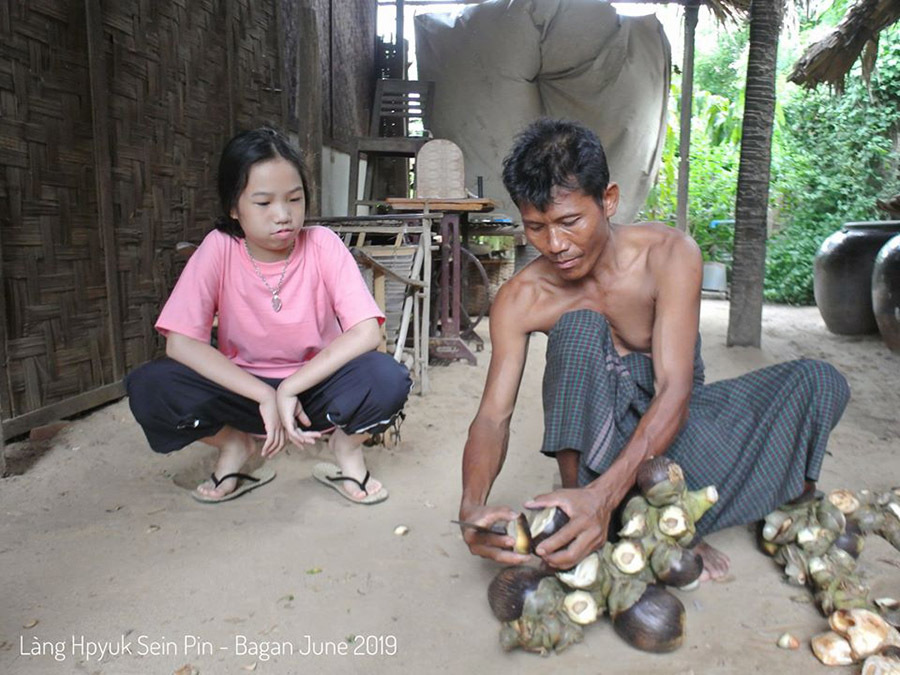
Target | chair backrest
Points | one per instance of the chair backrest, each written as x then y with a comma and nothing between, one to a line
440,173
399,101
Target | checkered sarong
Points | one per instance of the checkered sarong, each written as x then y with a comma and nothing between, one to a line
757,437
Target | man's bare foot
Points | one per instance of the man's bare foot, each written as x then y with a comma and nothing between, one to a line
235,448
348,453
715,563
809,493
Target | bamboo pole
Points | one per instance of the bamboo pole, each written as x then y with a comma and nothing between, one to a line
103,179
687,101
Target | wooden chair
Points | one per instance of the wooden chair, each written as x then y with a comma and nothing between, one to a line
396,103
394,255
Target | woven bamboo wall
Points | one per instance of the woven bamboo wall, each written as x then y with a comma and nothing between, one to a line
54,283
112,116
347,58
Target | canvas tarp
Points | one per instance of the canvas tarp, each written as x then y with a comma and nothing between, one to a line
503,63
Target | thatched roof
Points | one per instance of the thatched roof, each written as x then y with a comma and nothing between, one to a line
831,58
733,10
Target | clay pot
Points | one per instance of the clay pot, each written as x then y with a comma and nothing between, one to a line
842,275
886,293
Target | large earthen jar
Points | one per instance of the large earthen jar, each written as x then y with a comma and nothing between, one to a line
886,293
842,275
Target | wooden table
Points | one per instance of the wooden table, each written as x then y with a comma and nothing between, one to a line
454,218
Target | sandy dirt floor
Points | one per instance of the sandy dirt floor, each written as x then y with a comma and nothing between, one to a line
100,547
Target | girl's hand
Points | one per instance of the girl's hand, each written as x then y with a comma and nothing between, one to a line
268,410
290,411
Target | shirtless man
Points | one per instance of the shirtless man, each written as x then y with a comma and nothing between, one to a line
623,380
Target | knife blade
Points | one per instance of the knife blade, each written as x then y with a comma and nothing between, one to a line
501,529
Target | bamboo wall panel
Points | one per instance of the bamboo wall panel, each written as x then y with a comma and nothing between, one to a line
347,55
352,67
177,78
53,276
169,120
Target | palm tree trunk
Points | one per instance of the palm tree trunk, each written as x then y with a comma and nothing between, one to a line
745,316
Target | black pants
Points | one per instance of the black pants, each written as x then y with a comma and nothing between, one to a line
176,406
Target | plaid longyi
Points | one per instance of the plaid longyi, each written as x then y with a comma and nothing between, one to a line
756,437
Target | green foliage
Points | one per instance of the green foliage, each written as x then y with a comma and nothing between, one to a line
715,140
831,157
789,265
834,157
722,71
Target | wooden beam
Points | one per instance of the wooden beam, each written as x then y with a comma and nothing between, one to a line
6,404
230,65
470,205
367,260
103,180
309,104
284,76
401,44
426,3
687,102
65,408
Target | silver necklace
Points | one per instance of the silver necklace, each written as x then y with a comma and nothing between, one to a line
276,301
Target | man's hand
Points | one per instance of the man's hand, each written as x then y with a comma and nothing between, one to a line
290,412
586,530
492,546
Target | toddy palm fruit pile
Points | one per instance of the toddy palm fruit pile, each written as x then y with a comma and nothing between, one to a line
542,612
817,541
531,605
859,636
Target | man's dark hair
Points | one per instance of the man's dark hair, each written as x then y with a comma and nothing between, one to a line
240,154
552,153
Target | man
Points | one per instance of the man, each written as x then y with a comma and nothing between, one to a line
624,378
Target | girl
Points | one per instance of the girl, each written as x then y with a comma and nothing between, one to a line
297,330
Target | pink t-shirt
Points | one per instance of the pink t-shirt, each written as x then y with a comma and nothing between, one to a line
322,295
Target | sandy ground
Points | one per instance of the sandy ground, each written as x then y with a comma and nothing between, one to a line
98,542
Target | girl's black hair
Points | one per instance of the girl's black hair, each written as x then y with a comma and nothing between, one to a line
240,154
552,153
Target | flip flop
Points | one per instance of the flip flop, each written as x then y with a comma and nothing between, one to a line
246,482
330,475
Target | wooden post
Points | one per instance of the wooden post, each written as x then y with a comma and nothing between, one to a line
687,101
6,406
230,68
103,179
309,104
378,292
401,44
283,82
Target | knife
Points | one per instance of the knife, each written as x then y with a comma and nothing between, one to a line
481,528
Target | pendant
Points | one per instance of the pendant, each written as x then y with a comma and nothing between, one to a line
276,302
